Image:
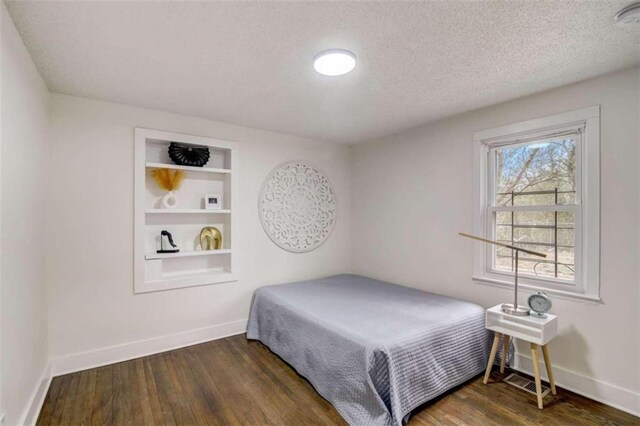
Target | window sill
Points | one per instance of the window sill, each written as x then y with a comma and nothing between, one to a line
581,297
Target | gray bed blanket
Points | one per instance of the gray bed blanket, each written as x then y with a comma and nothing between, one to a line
375,350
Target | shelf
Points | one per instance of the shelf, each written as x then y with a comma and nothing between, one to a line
150,256
170,282
190,211
191,266
187,168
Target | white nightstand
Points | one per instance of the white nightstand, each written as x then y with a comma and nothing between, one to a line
535,330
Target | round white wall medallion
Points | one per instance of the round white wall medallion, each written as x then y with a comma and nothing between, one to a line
297,207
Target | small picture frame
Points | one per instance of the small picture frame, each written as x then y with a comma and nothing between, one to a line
213,201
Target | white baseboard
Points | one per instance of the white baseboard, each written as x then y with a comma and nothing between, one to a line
607,393
112,354
34,405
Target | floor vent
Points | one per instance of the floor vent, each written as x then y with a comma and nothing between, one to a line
526,384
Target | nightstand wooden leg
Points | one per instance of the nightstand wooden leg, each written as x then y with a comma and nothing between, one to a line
536,372
547,363
505,353
492,357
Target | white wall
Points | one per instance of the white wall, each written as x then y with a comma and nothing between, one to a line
23,310
412,193
90,228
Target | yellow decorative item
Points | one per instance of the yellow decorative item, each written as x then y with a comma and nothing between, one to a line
169,180
210,238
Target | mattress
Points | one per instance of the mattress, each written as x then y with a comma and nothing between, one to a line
375,350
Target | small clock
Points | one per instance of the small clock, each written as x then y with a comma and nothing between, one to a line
540,304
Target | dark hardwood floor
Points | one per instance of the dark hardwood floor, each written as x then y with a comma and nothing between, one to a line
235,381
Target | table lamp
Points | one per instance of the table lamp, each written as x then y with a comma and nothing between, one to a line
508,308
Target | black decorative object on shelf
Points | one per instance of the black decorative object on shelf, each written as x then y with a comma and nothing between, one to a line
166,235
188,155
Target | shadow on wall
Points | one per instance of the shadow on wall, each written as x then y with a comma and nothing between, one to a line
571,340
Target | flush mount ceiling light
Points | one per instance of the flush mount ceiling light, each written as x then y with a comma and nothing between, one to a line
334,62
630,15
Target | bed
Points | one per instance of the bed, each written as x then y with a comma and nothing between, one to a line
375,350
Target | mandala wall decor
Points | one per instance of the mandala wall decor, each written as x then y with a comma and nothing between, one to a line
297,207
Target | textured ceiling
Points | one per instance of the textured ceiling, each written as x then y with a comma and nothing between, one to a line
251,63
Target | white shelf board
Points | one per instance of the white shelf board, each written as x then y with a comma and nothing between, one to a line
187,280
179,211
150,256
187,168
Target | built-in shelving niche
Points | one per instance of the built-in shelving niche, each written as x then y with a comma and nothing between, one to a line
191,266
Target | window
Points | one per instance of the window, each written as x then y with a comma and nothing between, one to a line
534,204
538,188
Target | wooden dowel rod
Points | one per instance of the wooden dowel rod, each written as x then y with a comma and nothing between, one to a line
535,253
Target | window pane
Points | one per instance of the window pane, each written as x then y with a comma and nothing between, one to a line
539,173
550,233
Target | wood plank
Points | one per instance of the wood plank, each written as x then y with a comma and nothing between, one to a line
170,390
283,397
213,393
280,375
233,381
229,375
86,388
50,401
102,406
141,404
505,352
547,363
56,416
536,373
121,395
191,394
162,414
492,357
72,399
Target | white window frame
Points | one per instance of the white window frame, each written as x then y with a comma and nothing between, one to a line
586,285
